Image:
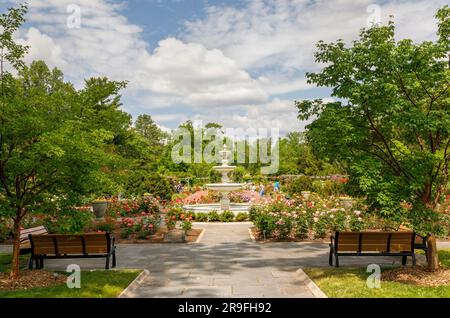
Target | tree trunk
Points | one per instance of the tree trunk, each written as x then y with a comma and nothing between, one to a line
16,250
432,253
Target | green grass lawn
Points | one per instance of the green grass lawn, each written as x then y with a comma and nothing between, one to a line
94,284
351,283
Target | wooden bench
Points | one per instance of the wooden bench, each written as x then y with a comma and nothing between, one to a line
373,244
25,245
56,246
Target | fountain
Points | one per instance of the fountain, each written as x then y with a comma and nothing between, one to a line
224,188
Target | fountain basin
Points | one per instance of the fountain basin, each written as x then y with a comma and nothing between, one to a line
224,168
205,208
224,187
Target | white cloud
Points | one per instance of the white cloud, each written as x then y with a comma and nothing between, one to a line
282,35
200,77
233,66
106,44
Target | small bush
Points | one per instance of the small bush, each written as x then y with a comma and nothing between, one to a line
213,216
227,216
109,225
5,230
126,232
69,221
266,224
186,225
201,217
242,217
300,184
254,212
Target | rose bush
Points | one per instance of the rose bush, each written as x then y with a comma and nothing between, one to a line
133,207
141,227
314,217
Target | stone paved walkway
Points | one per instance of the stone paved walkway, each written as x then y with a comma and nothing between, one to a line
226,263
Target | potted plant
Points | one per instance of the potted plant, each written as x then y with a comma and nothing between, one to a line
99,207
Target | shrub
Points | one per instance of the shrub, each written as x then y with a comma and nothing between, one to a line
153,183
5,230
69,221
302,226
265,223
297,185
133,207
186,225
242,217
141,227
201,217
227,216
213,216
126,232
253,213
108,225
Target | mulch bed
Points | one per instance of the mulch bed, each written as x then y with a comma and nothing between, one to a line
31,279
259,237
418,275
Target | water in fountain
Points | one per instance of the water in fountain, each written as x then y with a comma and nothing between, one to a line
224,188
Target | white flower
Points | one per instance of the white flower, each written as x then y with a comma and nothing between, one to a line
360,219
357,213
332,216
316,220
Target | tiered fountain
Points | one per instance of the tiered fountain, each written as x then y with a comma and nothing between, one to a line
224,188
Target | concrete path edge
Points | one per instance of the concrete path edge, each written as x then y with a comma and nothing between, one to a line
315,290
135,284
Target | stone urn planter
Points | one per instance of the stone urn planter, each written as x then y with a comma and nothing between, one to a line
99,207
306,194
175,236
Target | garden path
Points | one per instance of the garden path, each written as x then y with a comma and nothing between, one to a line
226,263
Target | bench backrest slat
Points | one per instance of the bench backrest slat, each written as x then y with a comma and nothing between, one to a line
24,235
360,242
54,244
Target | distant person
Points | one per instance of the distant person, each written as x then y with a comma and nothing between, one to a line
262,190
276,186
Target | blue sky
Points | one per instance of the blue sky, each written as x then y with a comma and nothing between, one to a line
239,63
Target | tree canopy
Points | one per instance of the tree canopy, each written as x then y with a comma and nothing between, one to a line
391,123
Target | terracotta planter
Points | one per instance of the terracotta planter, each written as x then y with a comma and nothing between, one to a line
99,208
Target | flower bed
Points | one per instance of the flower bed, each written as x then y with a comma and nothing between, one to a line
313,218
133,207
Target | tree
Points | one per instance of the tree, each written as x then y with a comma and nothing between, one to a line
392,125
56,143
145,126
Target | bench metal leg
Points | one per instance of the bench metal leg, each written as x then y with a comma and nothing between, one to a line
414,259
107,262
114,259
337,260
404,260
30,263
330,260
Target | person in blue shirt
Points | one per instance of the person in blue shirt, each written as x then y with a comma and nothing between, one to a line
276,186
